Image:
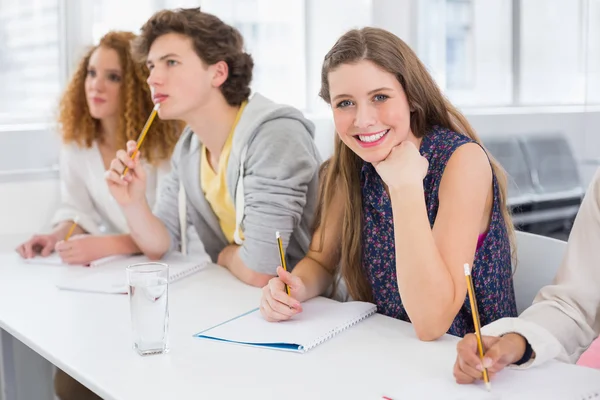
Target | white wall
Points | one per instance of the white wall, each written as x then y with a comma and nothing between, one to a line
27,206
396,16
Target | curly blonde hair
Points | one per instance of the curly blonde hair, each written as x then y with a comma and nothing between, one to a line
78,126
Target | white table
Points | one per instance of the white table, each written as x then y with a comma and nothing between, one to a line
88,336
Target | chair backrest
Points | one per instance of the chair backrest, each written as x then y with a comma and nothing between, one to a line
545,188
507,150
553,163
538,259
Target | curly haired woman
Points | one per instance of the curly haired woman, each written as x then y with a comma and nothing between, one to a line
106,104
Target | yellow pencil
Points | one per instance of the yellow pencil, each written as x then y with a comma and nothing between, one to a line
143,134
72,229
476,323
282,256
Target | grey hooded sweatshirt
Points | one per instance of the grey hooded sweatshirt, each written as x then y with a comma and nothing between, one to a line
272,178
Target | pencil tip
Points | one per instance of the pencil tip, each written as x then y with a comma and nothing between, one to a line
156,106
488,386
277,235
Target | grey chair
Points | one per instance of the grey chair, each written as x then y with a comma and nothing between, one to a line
538,259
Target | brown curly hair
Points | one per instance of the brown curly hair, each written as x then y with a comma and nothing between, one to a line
78,126
213,41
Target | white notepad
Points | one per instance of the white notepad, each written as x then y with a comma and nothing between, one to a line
54,259
320,320
112,276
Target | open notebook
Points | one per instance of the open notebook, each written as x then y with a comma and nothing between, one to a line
112,277
54,259
321,319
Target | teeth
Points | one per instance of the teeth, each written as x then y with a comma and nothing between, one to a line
372,138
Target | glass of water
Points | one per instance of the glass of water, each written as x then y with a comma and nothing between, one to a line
149,304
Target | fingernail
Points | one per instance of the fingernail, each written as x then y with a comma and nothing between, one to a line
479,367
487,362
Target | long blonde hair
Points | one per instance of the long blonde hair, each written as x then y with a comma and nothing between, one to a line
341,173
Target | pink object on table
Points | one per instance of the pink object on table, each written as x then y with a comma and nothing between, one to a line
591,357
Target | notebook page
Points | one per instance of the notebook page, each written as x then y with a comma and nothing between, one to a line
54,259
111,277
550,381
107,281
319,317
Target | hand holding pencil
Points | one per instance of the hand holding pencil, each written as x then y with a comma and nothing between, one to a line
276,304
45,244
126,177
481,357
131,188
282,296
499,353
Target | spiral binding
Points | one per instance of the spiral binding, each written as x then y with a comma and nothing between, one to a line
337,330
107,261
184,273
118,260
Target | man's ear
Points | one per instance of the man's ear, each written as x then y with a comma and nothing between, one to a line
220,73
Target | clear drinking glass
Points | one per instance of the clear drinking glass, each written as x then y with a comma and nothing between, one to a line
149,304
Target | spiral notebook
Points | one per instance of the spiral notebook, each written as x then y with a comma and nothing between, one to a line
320,320
111,278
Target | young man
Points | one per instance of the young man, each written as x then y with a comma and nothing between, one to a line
247,167
564,318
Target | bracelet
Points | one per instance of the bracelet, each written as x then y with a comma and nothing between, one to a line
527,355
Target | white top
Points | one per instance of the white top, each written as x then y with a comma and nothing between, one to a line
565,316
89,337
85,194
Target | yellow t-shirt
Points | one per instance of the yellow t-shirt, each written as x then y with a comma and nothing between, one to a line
214,184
